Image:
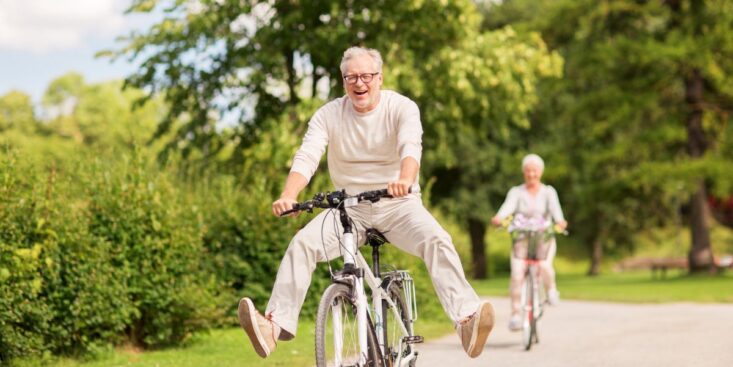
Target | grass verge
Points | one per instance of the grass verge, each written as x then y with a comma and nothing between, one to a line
636,287
226,348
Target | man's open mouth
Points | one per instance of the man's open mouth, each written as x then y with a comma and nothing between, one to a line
360,93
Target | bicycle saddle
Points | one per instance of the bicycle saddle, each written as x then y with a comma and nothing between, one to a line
375,238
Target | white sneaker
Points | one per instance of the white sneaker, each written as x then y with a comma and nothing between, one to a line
553,297
515,323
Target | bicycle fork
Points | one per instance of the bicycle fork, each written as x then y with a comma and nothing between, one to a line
350,266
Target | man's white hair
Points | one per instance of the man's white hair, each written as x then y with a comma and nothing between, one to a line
356,51
533,158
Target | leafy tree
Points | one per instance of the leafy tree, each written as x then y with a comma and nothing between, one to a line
640,113
248,61
476,98
99,115
251,60
16,112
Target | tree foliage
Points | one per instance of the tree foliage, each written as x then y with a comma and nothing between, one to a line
16,113
622,112
247,61
100,114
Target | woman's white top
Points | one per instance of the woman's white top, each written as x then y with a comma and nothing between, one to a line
544,203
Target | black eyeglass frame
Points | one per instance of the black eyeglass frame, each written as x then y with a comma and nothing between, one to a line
366,77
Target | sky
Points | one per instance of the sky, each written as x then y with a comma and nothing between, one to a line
41,40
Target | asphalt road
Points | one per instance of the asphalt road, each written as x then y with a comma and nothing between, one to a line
591,334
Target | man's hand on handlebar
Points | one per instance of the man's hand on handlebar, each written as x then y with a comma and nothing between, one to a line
399,188
282,204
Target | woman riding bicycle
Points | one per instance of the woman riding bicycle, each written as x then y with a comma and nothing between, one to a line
533,199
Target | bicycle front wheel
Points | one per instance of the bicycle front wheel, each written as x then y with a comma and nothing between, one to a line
528,311
337,332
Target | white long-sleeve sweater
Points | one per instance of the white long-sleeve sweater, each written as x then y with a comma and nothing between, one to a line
365,150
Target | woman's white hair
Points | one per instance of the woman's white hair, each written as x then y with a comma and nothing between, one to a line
356,51
533,158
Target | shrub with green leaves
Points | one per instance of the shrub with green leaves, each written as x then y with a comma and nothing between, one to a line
155,247
24,316
98,253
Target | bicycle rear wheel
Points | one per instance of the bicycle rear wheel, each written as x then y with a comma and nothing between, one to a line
392,331
528,311
337,337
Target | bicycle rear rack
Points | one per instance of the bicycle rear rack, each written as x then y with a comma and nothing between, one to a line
408,287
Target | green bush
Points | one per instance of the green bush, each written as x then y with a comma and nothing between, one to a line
95,254
155,249
24,234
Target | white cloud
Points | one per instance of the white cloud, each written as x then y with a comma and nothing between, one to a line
43,26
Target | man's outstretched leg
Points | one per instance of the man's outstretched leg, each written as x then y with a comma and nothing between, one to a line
262,331
292,282
410,227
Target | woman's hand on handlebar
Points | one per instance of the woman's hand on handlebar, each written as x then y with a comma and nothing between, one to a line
282,204
399,188
496,221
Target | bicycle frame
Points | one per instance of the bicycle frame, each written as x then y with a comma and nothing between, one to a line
356,271
532,274
531,311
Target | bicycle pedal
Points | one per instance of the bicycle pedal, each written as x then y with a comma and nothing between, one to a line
414,339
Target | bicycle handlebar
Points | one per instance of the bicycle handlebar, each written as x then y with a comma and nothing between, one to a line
335,199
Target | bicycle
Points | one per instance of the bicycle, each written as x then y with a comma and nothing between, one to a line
348,331
535,231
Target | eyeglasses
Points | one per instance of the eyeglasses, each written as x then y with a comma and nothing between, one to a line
366,77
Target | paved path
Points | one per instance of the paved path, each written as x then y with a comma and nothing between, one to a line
590,334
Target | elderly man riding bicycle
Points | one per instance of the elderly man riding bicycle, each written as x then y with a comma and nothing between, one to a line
374,140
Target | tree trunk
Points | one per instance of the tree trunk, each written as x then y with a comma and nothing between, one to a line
596,257
700,255
292,77
477,230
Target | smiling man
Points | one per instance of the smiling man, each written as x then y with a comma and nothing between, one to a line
374,138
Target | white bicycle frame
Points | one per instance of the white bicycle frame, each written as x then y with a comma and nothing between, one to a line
536,306
354,257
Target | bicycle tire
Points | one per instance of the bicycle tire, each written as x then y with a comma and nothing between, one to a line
536,309
392,333
339,295
528,322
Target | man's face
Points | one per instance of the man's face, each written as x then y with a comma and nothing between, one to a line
364,96
532,174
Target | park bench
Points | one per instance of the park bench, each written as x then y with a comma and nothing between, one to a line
658,265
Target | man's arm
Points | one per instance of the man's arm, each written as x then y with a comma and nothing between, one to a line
305,162
294,184
408,173
409,146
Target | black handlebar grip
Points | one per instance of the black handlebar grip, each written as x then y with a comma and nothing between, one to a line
296,207
385,192
288,212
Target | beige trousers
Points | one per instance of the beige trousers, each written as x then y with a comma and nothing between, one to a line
519,267
406,224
